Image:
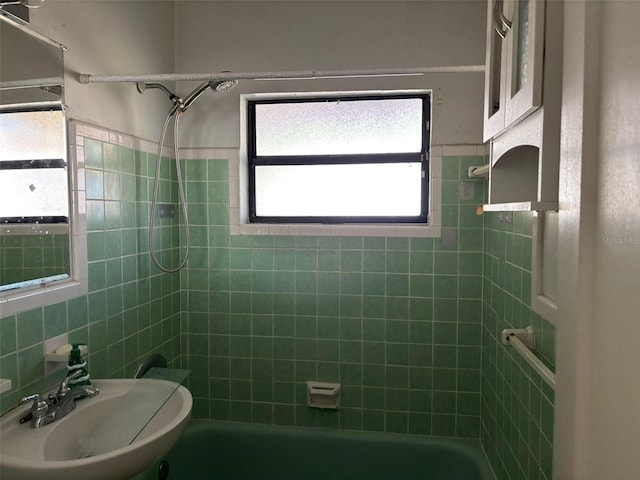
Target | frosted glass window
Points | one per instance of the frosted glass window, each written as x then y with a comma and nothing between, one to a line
343,190
355,159
17,139
338,127
33,173
37,192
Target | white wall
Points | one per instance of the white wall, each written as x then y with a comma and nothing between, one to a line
615,378
117,37
112,37
254,36
597,429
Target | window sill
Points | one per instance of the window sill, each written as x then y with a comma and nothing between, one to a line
34,229
353,230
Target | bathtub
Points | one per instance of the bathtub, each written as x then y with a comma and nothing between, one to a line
235,451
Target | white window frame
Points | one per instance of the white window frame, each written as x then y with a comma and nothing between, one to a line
47,293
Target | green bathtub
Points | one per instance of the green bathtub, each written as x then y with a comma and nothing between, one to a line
235,451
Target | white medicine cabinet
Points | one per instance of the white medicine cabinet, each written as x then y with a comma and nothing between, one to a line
523,93
513,81
522,103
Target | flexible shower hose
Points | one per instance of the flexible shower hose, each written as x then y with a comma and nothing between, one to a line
182,200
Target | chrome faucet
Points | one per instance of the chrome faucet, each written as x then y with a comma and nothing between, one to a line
63,389
57,405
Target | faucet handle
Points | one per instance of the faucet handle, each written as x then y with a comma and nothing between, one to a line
36,398
40,404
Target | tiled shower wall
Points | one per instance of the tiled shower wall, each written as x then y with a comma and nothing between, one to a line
517,406
28,257
131,309
396,321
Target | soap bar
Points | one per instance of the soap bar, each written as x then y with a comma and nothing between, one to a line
63,350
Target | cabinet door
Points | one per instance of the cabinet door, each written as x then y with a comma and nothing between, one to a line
495,72
525,63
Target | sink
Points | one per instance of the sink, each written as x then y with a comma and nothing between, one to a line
60,450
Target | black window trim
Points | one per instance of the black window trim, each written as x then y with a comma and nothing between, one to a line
421,157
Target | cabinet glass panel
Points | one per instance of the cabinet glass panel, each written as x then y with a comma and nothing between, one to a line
496,73
522,43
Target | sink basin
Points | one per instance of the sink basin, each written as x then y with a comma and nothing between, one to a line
55,450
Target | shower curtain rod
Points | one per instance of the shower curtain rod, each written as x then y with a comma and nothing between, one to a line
301,74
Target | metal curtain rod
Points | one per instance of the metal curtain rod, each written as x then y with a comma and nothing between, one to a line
301,74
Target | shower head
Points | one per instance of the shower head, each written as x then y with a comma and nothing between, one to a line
182,105
223,85
215,85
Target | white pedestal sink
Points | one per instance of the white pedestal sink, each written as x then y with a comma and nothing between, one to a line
52,452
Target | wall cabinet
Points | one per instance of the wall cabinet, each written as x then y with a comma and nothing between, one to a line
523,80
523,87
513,79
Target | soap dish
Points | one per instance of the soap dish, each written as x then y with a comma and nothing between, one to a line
55,357
323,395
5,385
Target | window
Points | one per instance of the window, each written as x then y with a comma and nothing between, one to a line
33,133
33,174
332,159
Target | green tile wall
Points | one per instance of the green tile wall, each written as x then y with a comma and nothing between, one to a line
131,309
397,321
28,257
517,406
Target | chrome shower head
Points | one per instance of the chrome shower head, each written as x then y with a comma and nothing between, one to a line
215,85
182,105
223,85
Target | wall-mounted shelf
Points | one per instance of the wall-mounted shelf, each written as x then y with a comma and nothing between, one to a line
524,134
524,165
